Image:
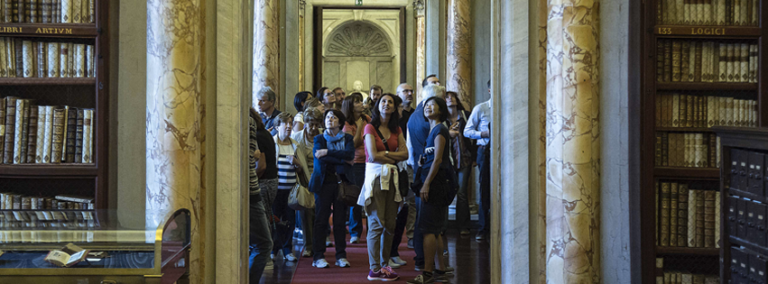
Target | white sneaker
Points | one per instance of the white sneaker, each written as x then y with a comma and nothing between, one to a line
354,240
342,262
398,260
290,257
393,264
320,263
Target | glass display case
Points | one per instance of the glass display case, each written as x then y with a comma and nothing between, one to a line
30,240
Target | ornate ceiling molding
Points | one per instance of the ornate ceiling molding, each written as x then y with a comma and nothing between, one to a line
358,39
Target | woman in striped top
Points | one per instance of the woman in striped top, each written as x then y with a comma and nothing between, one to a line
289,157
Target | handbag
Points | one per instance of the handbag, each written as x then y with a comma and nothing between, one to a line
402,175
300,198
348,193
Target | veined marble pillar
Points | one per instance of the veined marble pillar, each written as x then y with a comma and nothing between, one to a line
302,5
175,111
421,45
459,59
573,145
266,60
539,259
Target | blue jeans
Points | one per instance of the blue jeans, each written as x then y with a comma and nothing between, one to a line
259,240
462,200
484,161
356,212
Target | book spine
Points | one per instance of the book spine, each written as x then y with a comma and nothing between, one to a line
704,62
665,149
698,157
702,112
699,237
79,136
10,59
698,57
679,12
66,11
755,13
64,134
91,11
676,64
721,11
729,112
59,120
709,218
743,113
660,60
656,190
688,150
79,60
88,136
70,142
77,6
40,135
42,54
3,59
754,114
707,12
745,12
70,59
28,61
48,139
687,12
53,59
753,53
18,54
667,110
17,131
15,10
696,112
722,60
721,114
657,150
684,60
683,109
63,68
56,11
667,61
672,145
673,198
712,150
676,110
665,197
729,63
90,63
682,215
699,12
34,7
717,220
658,113
32,134
45,11
744,70
737,12
2,128
664,11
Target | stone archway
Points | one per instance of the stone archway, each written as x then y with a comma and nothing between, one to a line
359,50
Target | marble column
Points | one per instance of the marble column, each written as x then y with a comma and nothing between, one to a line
573,142
510,96
302,6
539,259
174,117
266,60
421,45
459,59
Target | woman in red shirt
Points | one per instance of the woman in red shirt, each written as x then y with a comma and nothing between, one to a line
352,107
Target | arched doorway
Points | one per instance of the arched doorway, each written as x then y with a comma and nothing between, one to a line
359,51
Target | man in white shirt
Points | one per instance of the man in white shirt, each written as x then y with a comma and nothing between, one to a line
479,128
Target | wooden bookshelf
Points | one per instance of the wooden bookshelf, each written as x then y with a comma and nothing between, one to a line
82,179
643,111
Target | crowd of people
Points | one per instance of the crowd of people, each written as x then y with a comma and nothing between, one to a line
371,155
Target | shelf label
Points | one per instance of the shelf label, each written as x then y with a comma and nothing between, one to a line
691,31
11,30
52,31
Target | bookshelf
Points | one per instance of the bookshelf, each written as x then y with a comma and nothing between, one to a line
663,54
88,92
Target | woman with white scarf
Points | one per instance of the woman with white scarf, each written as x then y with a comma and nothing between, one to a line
333,151
380,195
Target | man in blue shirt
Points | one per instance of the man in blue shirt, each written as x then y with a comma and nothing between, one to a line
418,130
479,128
266,107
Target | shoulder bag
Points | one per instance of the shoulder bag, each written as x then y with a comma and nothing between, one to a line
401,174
348,192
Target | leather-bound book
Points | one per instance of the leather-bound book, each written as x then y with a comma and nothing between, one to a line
711,111
79,136
729,112
77,6
753,55
59,122
699,12
71,59
3,58
722,61
699,237
45,11
48,139
664,11
675,110
682,215
685,61
704,62
690,113
745,13
28,59
668,61
660,60
701,112
668,110
676,61
736,12
18,53
682,110
42,54
34,8
729,63
744,62
697,158
679,12
689,153
707,12
673,214
10,61
721,110
665,199
71,132
53,59
657,112
15,10
64,134
79,58
665,149
7,11
56,11
721,11
755,18
40,135
63,67
687,4
698,57
709,218
88,135
10,127
672,144
31,149
66,11
657,150
19,130
664,107
91,11
2,128
90,64
712,150
717,220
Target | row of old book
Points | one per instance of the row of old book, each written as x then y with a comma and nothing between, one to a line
11,201
706,61
39,59
45,134
47,226
680,110
689,150
708,12
48,11
687,217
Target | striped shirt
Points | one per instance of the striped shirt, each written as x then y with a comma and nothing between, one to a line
286,173
253,178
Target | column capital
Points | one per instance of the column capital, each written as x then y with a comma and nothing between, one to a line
418,6
302,4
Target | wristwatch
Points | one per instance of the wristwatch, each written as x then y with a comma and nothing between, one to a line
386,153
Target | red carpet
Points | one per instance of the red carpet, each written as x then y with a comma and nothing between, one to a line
357,254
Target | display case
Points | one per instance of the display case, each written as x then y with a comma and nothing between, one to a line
115,253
